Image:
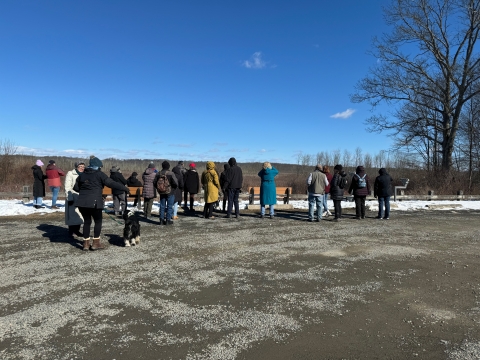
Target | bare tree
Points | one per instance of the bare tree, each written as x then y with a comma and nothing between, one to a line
336,154
367,160
347,158
358,156
7,150
441,75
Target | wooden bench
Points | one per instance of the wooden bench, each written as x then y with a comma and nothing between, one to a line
135,192
281,192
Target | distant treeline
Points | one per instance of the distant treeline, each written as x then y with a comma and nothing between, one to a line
15,171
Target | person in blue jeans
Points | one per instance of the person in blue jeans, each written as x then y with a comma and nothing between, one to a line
54,182
317,181
167,197
382,189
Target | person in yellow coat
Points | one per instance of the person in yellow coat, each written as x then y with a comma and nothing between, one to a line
210,184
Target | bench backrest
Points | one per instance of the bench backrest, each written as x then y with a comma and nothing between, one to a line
280,190
133,190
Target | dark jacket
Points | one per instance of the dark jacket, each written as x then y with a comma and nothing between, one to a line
149,191
359,172
383,184
234,176
133,181
337,185
191,182
115,175
89,185
38,181
177,170
172,179
329,178
223,176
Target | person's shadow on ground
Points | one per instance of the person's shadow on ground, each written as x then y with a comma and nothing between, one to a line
58,234
115,240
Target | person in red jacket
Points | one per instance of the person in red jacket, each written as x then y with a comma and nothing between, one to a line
54,181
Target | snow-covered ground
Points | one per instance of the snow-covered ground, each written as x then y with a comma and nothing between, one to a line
17,207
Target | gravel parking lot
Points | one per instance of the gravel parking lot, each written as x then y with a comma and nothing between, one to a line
249,288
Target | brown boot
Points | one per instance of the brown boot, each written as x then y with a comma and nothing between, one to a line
96,244
86,244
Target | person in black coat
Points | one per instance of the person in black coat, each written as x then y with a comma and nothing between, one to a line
191,185
223,178
119,200
337,189
89,186
178,171
233,185
38,185
382,189
359,191
134,182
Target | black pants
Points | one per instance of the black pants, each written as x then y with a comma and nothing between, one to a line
208,211
359,206
337,204
89,214
192,199
233,201
225,198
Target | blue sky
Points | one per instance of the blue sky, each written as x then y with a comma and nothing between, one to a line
191,80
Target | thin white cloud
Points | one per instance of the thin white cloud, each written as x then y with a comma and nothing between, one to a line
255,61
343,115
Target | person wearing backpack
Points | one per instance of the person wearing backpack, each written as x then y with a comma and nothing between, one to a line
339,181
166,182
360,188
382,189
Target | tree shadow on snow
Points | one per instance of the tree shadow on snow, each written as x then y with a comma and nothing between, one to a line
58,234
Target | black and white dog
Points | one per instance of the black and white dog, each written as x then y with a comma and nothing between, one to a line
131,232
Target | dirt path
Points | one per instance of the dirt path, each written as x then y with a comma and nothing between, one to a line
245,289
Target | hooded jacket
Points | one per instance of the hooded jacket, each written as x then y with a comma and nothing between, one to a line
359,172
53,175
178,171
233,176
210,183
191,182
336,186
383,184
117,176
268,191
133,181
38,181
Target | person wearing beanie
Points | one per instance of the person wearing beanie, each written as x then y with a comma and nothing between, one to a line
167,196
149,191
191,186
90,202
119,199
210,184
339,182
134,182
95,163
222,186
73,217
360,188
178,171
268,189
38,185
317,181
233,186
382,189
54,182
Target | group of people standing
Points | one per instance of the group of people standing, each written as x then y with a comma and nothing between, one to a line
84,184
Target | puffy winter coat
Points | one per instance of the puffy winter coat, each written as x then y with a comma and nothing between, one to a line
268,191
210,183
359,172
72,214
53,175
337,185
191,182
234,176
177,170
383,184
89,186
115,175
38,181
149,191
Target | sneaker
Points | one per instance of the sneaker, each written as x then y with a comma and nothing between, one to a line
325,213
261,216
271,216
385,218
329,213
55,207
336,219
175,218
363,217
318,220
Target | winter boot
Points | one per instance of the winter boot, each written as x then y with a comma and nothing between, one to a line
86,244
96,244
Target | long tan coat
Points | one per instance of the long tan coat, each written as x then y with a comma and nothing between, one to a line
210,183
72,214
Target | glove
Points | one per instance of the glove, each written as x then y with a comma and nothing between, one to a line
70,202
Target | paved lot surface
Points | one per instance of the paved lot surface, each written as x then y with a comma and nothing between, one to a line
245,289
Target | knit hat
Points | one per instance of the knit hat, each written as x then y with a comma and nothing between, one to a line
165,165
151,165
134,173
338,167
180,162
51,162
39,163
78,163
192,165
95,162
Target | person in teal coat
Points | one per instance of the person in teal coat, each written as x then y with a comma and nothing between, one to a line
268,192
